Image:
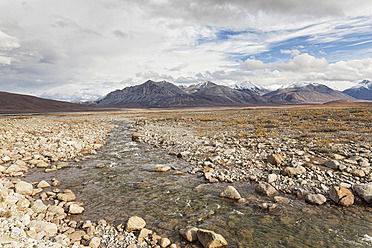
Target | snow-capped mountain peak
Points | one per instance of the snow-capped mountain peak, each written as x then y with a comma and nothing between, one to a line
364,84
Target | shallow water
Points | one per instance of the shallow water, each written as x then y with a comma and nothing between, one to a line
169,201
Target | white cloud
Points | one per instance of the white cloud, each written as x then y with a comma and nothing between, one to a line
304,63
252,64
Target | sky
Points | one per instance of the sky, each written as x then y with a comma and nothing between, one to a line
83,49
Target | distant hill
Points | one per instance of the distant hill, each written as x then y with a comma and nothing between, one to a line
16,103
362,90
306,93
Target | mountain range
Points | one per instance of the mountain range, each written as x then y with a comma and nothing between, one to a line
208,94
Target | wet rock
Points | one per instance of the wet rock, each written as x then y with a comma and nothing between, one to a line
66,196
162,168
136,137
333,164
282,200
230,192
364,191
43,184
135,223
76,236
189,234
101,165
24,188
164,242
341,196
292,171
273,209
317,199
42,164
75,209
275,159
144,233
266,189
210,239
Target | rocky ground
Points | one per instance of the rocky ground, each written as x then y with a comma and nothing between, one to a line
321,155
316,154
38,214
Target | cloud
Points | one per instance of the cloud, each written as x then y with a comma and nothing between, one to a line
73,48
304,63
252,64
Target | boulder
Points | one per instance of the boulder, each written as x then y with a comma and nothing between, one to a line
276,159
358,173
95,242
162,168
317,199
135,223
230,192
333,164
341,196
47,227
42,164
164,242
75,209
272,178
210,239
24,188
189,234
38,206
292,171
136,137
266,189
14,168
281,199
55,210
66,196
364,191
43,184
101,165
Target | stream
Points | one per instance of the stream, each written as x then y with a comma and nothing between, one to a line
172,200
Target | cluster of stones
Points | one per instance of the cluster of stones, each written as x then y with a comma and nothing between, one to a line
27,222
42,142
289,167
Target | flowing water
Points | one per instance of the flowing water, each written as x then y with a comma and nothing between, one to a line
172,200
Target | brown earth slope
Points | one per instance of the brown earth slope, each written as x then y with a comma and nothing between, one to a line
15,104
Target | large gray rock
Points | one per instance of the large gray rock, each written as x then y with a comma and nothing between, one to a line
210,239
230,192
364,191
333,164
266,189
317,199
135,223
24,188
189,233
